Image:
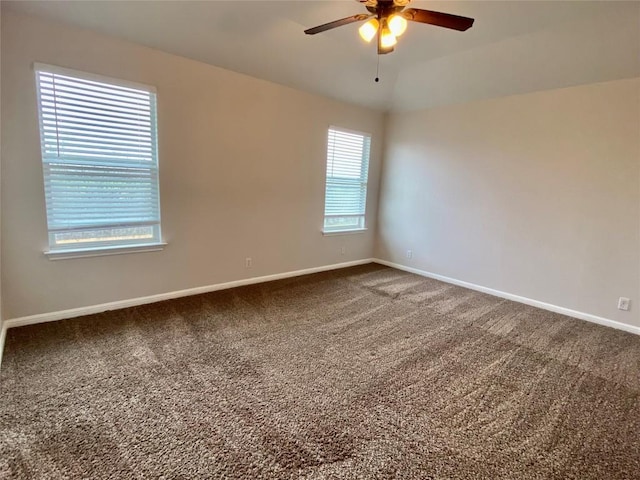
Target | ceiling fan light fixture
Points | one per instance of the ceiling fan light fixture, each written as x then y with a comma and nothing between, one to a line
387,38
369,29
386,20
397,24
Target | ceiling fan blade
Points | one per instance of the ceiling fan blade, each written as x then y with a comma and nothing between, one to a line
445,20
337,23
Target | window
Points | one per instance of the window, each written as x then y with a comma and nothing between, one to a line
346,188
100,161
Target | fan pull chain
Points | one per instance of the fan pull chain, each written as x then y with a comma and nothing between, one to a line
378,69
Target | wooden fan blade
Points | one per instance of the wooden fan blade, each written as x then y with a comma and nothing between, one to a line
445,20
337,23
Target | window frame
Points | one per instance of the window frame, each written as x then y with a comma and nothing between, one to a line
105,247
362,227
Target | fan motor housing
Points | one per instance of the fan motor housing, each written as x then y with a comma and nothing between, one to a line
384,8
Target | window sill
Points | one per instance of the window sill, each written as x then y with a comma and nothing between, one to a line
328,233
102,251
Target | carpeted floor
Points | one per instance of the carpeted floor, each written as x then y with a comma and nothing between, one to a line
366,372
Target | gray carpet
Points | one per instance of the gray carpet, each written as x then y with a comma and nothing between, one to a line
366,372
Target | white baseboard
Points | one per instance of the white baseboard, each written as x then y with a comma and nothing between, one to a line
516,298
3,335
78,312
133,302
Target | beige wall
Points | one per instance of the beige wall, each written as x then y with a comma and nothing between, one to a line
535,195
1,305
242,163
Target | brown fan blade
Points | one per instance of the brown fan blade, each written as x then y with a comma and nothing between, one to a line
445,20
337,23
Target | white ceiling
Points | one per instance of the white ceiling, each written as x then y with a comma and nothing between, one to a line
514,46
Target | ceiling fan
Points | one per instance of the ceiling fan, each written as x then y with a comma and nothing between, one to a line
388,20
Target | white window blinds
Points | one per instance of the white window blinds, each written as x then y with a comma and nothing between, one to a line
346,184
100,162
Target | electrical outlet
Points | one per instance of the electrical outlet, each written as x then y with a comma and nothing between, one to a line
247,262
409,253
624,303
343,250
